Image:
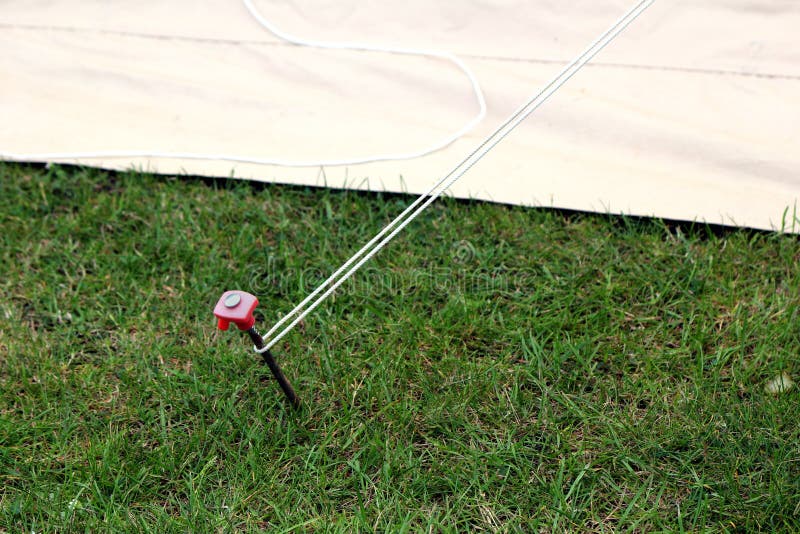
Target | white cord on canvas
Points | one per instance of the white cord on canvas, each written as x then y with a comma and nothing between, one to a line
259,160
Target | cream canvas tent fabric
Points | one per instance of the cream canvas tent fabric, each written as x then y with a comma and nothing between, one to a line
693,113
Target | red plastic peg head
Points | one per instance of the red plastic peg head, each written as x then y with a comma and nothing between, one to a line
236,307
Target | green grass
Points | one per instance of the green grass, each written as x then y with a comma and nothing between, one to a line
495,369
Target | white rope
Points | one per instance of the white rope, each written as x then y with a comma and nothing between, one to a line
412,211
361,47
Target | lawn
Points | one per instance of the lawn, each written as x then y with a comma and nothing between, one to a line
495,369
